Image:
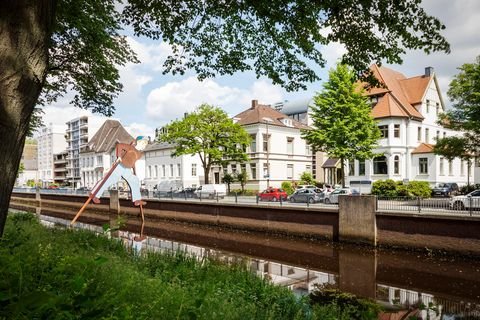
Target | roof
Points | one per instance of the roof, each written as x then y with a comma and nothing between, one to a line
159,146
402,93
257,112
423,148
331,163
107,136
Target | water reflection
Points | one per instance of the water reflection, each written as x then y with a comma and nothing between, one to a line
429,287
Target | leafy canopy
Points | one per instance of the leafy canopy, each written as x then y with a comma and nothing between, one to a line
343,125
210,133
464,91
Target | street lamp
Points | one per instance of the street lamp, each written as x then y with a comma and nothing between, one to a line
267,121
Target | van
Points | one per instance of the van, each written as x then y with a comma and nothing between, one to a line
211,191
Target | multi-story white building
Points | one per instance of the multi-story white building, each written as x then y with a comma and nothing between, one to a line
277,152
79,132
171,172
51,140
99,154
60,167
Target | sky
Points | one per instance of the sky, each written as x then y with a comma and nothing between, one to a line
151,99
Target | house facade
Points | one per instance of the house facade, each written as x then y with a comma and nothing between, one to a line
167,172
407,111
277,152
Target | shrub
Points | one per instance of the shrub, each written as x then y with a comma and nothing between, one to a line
386,188
469,188
307,178
287,187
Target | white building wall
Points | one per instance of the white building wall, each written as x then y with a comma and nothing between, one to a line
51,140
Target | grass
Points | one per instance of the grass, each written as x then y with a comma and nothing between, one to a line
49,273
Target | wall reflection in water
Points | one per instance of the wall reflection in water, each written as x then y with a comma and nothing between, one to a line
367,273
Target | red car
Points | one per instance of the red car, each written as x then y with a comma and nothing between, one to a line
273,194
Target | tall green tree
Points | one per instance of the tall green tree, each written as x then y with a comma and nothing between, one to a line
464,92
209,133
228,179
343,125
242,178
51,47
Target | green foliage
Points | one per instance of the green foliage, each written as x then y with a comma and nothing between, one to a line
228,179
288,187
246,192
211,134
242,177
222,39
73,274
21,168
348,306
464,92
390,188
307,178
344,127
469,188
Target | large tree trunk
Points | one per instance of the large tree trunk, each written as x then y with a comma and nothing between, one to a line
206,172
25,27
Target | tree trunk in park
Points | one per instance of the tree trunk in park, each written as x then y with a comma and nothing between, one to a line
25,27
206,173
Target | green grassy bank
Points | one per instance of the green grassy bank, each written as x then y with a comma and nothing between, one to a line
48,273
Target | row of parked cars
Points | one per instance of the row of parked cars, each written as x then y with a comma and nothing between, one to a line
310,194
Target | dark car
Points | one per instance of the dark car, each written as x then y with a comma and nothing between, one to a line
445,189
273,194
307,195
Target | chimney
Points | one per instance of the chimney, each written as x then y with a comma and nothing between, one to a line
429,71
254,104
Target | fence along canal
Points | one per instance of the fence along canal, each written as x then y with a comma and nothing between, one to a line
393,278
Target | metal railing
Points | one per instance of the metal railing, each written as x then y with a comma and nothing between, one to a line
463,205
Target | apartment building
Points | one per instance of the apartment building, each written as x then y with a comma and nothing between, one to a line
60,167
50,140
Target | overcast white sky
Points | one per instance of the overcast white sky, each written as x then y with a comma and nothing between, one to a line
150,99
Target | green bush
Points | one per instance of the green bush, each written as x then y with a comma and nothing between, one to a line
469,188
288,187
390,188
386,188
246,192
307,178
420,189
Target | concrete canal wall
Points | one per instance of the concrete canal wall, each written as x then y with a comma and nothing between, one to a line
356,220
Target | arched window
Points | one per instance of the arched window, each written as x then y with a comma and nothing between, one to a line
380,165
396,165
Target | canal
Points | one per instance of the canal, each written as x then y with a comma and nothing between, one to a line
448,286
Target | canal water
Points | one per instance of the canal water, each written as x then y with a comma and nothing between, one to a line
438,286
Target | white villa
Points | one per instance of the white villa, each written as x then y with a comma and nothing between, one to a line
407,111
277,152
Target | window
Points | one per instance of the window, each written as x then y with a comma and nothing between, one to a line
396,131
289,171
308,168
351,167
450,167
427,135
423,165
265,170
289,146
243,168
194,169
253,143
171,171
428,106
155,173
361,167
99,161
234,168
164,173
438,135
308,150
265,142
179,170
442,170
149,171
380,165
438,108
253,168
444,134
383,131
419,134
396,165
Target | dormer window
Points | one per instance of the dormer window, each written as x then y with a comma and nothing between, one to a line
428,106
288,122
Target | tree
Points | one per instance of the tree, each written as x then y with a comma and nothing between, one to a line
51,47
343,125
464,92
228,179
242,177
21,168
209,133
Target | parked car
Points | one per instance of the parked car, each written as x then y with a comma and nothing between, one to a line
211,191
184,193
307,195
333,196
305,186
471,200
445,189
273,194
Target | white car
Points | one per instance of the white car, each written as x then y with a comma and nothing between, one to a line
333,196
211,191
471,200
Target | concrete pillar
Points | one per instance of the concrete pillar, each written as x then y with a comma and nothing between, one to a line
114,211
356,219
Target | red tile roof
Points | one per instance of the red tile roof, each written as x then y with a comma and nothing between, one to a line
257,112
423,148
403,93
